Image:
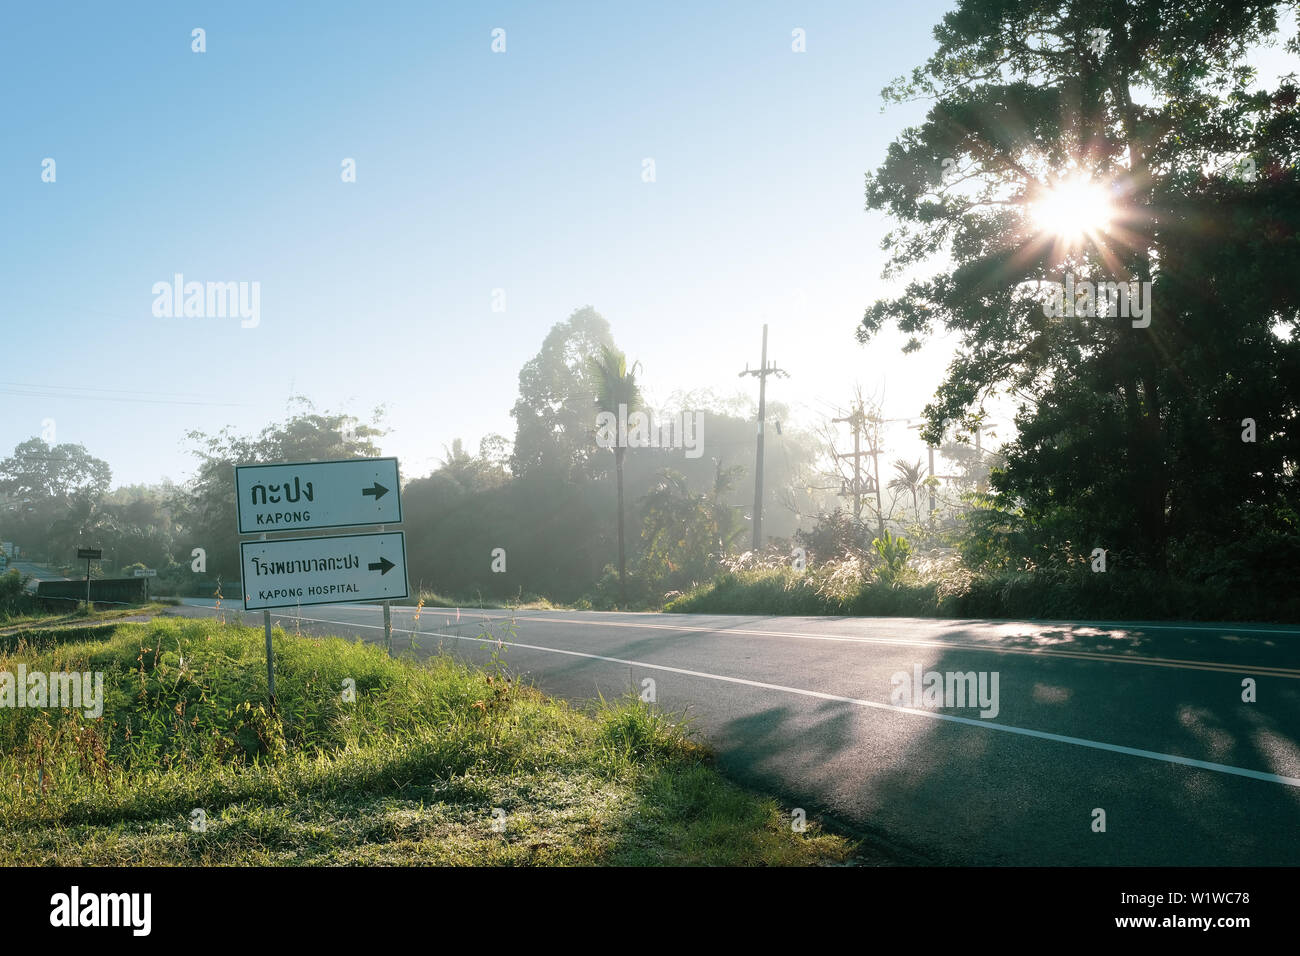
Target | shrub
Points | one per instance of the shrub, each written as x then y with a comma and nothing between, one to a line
894,552
15,599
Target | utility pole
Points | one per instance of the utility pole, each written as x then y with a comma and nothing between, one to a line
858,419
763,371
930,448
855,419
875,460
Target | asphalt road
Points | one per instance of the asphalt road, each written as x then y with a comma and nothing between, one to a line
1145,722
36,572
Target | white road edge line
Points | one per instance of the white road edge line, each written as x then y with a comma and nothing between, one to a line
1178,663
968,721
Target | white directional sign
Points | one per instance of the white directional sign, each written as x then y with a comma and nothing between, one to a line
317,494
146,572
326,570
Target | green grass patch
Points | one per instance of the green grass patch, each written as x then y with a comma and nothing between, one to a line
431,762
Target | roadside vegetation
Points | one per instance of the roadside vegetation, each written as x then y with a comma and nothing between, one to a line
964,570
16,601
939,586
430,762
521,601
20,608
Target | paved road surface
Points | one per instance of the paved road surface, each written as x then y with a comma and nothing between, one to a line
36,572
1143,721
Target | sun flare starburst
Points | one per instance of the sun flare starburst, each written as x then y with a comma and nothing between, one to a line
1073,209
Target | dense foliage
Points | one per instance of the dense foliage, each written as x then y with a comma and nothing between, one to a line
1173,445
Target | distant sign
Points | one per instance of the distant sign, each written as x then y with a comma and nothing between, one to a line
89,554
146,573
325,570
317,494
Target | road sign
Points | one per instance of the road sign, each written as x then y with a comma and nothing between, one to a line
325,570
317,494
146,573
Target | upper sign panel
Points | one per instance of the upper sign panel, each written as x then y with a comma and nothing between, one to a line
317,494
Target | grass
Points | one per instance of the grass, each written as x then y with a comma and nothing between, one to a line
527,602
20,607
432,762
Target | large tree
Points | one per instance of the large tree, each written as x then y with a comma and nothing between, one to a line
553,416
1106,140
52,498
38,471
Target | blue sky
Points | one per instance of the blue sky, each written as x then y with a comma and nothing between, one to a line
475,171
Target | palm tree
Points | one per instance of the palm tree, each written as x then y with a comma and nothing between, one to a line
458,465
616,386
910,478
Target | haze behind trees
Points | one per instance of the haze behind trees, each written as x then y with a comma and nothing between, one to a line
549,498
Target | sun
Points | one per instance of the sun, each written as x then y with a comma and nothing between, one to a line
1075,208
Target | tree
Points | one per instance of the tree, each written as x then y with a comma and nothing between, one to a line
553,422
837,534
474,472
137,526
39,471
54,494
1134,118
678,530
910,478
728,522
617,392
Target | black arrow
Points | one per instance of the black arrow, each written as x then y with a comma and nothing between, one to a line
377,492
383,567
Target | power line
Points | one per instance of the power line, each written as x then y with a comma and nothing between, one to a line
98,388
30,390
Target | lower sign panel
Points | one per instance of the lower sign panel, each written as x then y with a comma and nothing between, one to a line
329,570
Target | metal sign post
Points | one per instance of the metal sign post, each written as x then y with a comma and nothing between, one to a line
270,654
88,555
388,621
270,660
